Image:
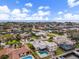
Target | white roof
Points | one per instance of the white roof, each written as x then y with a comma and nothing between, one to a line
39,44
50,44
60,39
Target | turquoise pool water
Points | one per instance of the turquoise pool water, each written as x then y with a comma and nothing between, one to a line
27,57
43,52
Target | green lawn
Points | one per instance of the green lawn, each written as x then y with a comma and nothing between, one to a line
34,53
7,35
12,42
50,40
52,34
59,51
33,37
77,46
47,57
30,46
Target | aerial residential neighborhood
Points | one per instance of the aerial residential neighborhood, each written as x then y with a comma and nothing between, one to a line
18,41
39,29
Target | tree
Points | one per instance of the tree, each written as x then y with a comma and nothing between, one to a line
4,57
74,35
31,46
0,42
18,37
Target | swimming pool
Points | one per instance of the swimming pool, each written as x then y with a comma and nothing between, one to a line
28,57
42,54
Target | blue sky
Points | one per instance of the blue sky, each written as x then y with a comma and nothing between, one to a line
39,10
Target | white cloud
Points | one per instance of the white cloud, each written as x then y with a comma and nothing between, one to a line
24,10
28,4
60,12
44,7
41,15
4,12
16,11
73,3
4,16
4,9
71,16
17,14
67,17
22,14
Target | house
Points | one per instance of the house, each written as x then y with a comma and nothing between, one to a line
51,46
66,47
40,33
60,39
39,44
15,53
63,39
25,35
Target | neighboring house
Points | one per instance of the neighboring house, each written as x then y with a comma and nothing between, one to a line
1,28
52,46
59,39
15,53
39,44
25,35
40,33
63,39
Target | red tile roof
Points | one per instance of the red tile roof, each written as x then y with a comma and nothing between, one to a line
14,53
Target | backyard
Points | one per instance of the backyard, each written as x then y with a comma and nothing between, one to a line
53,34
59,51
77,45
7,36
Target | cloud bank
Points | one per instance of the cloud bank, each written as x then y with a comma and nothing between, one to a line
23,13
